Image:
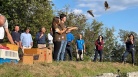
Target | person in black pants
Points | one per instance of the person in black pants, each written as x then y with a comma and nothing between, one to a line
70,38
68,51
57,31
130,44
99,48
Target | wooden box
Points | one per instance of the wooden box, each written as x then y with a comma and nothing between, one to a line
11,46
28,59
41,53
48,55
45,55
32,51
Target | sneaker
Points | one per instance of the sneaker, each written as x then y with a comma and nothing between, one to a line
81,59
77,59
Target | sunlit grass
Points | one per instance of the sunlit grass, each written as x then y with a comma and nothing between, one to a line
64,69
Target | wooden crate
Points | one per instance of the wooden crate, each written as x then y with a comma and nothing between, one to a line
42,55
27,59
35,52
11,46
48,55
45,55
32,51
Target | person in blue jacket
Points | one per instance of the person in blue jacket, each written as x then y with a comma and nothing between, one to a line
69,50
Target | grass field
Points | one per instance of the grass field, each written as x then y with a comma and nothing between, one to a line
64,69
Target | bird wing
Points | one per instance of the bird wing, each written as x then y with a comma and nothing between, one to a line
90,12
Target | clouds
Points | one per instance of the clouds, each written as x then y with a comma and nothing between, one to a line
98,5
77,11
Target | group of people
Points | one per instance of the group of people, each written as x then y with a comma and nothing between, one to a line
60,40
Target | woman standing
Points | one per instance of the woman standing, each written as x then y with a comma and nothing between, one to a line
99,48
57,31
130,44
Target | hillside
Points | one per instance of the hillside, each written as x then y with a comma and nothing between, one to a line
64,69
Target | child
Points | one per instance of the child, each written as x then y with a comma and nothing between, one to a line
80,47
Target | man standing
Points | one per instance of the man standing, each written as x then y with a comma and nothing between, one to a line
26,39
4,26
68,51
16,35
63,37
41,38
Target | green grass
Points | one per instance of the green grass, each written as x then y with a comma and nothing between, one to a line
64,69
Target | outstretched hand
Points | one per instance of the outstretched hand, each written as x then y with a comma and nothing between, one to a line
72,28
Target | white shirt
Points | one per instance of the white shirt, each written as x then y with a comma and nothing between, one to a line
50,38
2,32
5,24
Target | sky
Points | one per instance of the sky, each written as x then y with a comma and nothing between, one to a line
123,14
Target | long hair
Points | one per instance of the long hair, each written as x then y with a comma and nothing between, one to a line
99,37
55,21
132,35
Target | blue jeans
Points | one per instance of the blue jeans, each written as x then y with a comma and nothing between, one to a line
132,52
62,50
100,52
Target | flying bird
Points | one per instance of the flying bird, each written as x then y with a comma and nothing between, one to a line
106,5
90,12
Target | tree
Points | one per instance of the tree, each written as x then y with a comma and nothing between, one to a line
117,52
28,13
91,34
109,42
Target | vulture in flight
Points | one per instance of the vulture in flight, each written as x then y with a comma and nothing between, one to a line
90,12
106,5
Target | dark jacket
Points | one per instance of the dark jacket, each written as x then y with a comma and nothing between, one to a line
15,36
41,40
129,45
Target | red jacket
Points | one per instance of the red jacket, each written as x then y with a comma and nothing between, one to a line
99,45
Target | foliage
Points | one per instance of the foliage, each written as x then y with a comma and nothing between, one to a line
27,13
108,42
